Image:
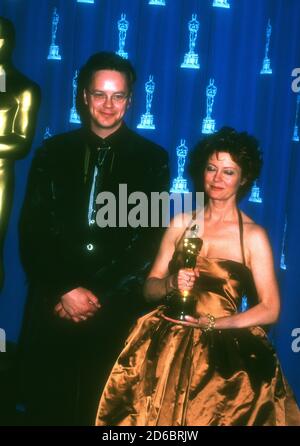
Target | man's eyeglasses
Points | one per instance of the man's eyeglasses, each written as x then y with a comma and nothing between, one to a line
116,98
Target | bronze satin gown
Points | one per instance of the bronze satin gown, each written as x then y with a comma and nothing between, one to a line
171,375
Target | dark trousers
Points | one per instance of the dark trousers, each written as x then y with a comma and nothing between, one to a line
63,369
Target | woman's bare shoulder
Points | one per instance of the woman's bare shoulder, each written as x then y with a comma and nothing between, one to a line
247,219
254,233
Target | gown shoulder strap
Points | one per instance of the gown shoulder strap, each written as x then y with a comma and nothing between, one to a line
241,230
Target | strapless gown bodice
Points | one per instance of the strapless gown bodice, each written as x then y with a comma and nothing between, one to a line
222,285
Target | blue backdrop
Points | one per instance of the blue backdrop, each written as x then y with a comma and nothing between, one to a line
231,45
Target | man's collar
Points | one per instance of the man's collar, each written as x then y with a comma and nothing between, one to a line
95,141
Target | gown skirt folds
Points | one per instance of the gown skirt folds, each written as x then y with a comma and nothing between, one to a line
173,375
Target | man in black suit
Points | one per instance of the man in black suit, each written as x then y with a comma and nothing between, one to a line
85,280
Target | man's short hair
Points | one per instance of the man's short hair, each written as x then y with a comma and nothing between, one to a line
101,61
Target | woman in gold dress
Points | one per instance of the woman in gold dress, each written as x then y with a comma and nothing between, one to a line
217,368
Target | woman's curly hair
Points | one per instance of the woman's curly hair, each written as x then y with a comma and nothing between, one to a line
243,149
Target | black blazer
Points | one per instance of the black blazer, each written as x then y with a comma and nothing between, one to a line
54,230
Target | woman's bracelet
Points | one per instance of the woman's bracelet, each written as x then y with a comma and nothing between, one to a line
211,323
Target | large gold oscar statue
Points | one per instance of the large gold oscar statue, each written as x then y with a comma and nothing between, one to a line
19,103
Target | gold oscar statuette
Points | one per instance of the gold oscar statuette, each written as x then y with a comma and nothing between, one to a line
19,103
184,304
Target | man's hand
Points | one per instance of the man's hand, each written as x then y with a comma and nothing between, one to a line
59,311
77,305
